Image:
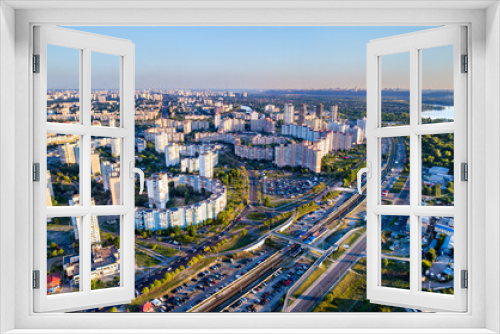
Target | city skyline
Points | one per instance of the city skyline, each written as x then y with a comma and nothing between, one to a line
246,58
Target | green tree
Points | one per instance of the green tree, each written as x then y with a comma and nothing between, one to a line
437,190
426,264
385,263
427,191
431,255
60,252
145,290
54,253
113,309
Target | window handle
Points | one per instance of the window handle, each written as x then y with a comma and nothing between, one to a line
133,171
368,172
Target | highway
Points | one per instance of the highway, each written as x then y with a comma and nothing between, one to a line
320,287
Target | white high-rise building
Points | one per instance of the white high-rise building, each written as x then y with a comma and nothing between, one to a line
217,121
49,184
95,164
289,114
334,113
207,162
161,140
68,152
158,191
172,154
95,233
115,147
114,187
361,123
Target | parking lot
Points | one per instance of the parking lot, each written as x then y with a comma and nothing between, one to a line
208,282
287,188
267,295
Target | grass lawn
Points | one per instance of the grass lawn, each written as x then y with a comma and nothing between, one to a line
238,243
349,295
145,261
398,185
160,249
166,251
349,241
278,203
310,280
303,212
256,216
396,274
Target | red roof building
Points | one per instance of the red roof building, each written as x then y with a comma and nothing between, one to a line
146,307
53,283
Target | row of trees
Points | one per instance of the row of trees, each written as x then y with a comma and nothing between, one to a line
316,189
272,221
169,276
330,195
247,185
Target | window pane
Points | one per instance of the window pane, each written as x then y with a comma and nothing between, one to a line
63,84
395,164
63,169
438,254
105,166
105,240
437,169
437,84
105,90
63,252
395,93
395,251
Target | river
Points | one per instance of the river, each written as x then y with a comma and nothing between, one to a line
447,113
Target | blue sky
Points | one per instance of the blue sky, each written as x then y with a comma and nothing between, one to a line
245,58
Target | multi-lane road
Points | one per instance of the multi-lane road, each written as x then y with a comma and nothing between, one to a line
320,287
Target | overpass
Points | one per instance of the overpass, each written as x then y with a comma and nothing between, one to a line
295,241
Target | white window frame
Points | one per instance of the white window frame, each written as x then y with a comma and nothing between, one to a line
412,44
86,44
482,316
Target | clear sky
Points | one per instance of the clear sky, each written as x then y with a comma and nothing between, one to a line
248,58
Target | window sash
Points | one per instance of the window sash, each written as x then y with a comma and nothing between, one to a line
86,43
412,43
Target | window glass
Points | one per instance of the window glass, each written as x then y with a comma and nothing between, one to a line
395,251
395,92
395,167
105,90
63,84
437,85
63,254
105,163
63,170
438,246
438,170
105,251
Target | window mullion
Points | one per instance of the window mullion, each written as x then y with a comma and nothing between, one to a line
415,84
85,170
